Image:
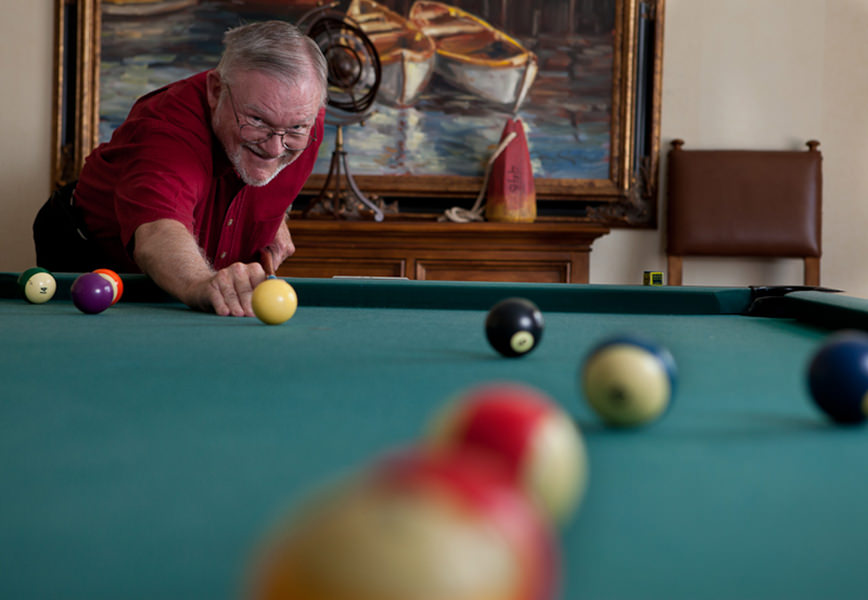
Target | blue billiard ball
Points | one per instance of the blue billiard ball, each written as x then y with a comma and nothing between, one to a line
628,380
838,377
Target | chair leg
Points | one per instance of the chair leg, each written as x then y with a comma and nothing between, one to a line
812,270
673,270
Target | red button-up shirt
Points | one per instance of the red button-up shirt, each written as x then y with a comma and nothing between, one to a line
164,162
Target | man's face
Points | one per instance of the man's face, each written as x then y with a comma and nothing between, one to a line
262,105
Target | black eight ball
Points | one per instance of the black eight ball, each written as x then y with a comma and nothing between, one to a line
514,326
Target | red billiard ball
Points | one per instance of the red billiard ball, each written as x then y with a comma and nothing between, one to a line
412,526
526,435
91,293
116,282
838,377
514,327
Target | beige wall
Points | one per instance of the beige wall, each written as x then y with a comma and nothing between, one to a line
26,69
739,73
767,74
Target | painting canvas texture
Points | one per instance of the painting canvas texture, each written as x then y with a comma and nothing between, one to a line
452,75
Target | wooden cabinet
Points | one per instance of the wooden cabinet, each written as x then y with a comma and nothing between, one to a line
535,252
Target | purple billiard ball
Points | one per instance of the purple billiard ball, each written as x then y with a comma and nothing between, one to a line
91,293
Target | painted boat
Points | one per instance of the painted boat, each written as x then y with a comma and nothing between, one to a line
277,6
475,56
144,8
407,55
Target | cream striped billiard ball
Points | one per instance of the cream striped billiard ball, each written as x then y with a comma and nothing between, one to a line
628,381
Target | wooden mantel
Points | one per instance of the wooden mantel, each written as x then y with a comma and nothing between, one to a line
536,252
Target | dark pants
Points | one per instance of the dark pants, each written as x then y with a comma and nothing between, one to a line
62,243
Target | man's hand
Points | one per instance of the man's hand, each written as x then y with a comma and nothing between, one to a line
229,291
273,255
168,254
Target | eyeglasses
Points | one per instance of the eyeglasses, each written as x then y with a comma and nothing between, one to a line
259,134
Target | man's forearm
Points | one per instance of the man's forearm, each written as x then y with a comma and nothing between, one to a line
168,254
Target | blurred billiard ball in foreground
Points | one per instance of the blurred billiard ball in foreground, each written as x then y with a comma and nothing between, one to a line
525,434
628,381
838,377
412,526
514,327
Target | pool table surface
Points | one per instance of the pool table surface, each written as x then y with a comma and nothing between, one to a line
146,450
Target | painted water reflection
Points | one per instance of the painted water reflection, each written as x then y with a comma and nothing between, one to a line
447,131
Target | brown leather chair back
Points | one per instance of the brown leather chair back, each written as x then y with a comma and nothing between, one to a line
744,203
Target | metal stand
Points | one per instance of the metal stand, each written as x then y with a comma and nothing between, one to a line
342,202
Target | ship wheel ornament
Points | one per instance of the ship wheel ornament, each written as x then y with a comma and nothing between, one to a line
353,80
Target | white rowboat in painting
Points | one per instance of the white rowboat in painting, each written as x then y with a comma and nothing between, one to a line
406,54
144,8
475,56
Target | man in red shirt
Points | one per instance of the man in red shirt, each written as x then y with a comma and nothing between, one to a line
193,188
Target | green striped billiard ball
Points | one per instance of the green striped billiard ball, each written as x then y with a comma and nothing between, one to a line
37,285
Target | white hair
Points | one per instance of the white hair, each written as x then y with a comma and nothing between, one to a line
274,47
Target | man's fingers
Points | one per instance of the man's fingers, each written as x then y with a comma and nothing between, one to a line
220,307
231,289
228,294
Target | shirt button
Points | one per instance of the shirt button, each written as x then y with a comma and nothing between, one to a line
222,255
229,222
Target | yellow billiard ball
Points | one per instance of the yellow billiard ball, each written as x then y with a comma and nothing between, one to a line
40,287
274,301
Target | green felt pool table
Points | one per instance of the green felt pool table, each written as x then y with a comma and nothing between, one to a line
145,450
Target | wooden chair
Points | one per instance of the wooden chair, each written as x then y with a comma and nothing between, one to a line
744,203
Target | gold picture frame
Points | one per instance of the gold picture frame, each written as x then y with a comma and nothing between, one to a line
626,197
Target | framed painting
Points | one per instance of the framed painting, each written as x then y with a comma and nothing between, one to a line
584,77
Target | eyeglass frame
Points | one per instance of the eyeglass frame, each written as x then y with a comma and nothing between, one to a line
271,132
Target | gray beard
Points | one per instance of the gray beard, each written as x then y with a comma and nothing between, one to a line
235,159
